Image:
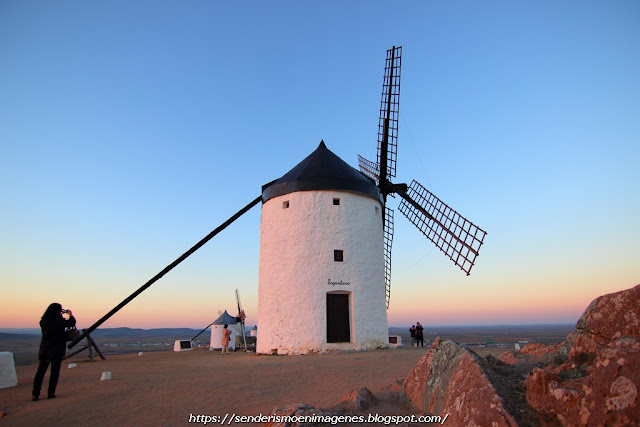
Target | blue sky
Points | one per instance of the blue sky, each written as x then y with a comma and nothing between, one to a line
129,130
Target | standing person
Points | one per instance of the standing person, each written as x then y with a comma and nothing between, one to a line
226,336
412,331
419,335
52,348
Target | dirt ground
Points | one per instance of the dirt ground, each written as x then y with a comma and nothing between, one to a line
165,388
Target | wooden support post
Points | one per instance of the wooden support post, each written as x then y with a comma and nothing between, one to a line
89,345
93,344
75,352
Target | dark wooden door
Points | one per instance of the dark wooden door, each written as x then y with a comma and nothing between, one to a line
338,318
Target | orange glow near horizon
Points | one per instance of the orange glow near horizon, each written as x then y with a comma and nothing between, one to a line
154,311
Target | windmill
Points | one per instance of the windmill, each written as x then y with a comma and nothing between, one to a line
458,238
224,317
310,301
325,244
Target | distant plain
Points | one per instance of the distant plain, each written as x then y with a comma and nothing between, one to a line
494,339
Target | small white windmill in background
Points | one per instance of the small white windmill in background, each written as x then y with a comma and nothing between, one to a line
235,325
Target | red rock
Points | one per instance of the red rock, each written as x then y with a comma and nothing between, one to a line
606,395
612,316
471,399
451,380
530,353
592,378
599,384
583,349
415,384
538,349
509,358
359,399
298,409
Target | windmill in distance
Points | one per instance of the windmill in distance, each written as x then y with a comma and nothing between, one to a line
458,238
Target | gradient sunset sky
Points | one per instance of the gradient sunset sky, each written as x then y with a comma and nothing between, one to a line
130,129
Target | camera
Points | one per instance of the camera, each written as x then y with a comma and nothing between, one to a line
65,311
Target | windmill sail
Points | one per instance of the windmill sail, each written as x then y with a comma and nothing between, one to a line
452,233
385,166
389,111
241,316
370,169
388,240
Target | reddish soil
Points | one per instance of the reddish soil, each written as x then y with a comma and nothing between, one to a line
165,387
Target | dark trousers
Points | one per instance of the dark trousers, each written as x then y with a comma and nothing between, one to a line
420,340
53,376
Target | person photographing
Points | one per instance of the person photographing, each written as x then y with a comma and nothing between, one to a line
52,347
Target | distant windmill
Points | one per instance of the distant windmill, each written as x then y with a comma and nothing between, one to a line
225,318
325,245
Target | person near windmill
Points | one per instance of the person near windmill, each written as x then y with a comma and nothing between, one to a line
412,331
226,337
419,334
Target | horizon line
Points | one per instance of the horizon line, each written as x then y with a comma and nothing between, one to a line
389,326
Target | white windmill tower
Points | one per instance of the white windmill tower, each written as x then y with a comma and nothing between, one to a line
321,281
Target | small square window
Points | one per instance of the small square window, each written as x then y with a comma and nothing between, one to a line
338,255
285,205
336,202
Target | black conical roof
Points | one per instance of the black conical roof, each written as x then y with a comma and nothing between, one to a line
225,319
321,170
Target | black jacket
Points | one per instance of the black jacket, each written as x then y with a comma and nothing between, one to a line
52,346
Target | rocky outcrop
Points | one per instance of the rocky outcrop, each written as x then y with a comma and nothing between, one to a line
358,400
604,393
612,316
598,382
296,410
531,353
450,379
592,378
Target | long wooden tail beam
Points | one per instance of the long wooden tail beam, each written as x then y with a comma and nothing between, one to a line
168,268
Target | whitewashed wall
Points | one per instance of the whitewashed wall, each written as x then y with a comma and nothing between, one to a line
296,264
